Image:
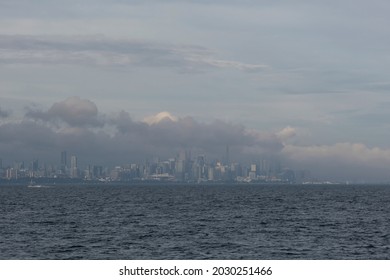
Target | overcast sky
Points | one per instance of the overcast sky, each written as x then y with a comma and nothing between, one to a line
305,81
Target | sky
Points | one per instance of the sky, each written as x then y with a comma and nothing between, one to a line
115,81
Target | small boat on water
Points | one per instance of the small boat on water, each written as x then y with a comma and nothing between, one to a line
33,185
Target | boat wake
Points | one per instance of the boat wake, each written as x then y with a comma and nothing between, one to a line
38,186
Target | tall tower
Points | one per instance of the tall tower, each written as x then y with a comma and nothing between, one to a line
63,162
34,165
73,167
227,155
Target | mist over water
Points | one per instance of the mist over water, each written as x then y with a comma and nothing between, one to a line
195,222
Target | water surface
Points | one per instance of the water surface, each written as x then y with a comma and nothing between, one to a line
195,222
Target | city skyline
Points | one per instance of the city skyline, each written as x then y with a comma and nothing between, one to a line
113,81
183,167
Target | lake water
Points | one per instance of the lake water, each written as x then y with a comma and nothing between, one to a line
195,222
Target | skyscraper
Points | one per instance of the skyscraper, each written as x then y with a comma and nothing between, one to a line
73,167
63,162
227,155
34,165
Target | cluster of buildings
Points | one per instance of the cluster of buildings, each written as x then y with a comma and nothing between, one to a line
182,168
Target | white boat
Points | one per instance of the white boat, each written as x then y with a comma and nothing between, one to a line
32,185
35,186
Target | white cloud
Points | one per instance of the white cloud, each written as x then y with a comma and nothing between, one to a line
226,63
162,116
286,133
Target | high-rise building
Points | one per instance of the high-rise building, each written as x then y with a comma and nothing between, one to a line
182,167
97,171
253,168
34,165
227,156
73,167
63,162
1,169
210,173
200,160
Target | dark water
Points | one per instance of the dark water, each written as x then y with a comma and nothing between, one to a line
195,222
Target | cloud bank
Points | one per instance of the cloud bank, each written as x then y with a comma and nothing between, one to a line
342,161
76,125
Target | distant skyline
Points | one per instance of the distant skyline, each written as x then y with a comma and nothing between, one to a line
303,81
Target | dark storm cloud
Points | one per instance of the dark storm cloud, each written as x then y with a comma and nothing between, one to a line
101,51
168,136
216,134
125,125
27,140
27,133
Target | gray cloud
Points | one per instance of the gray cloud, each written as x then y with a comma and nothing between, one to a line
123,139
3,113
101,51
187,133
27,140
74,111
